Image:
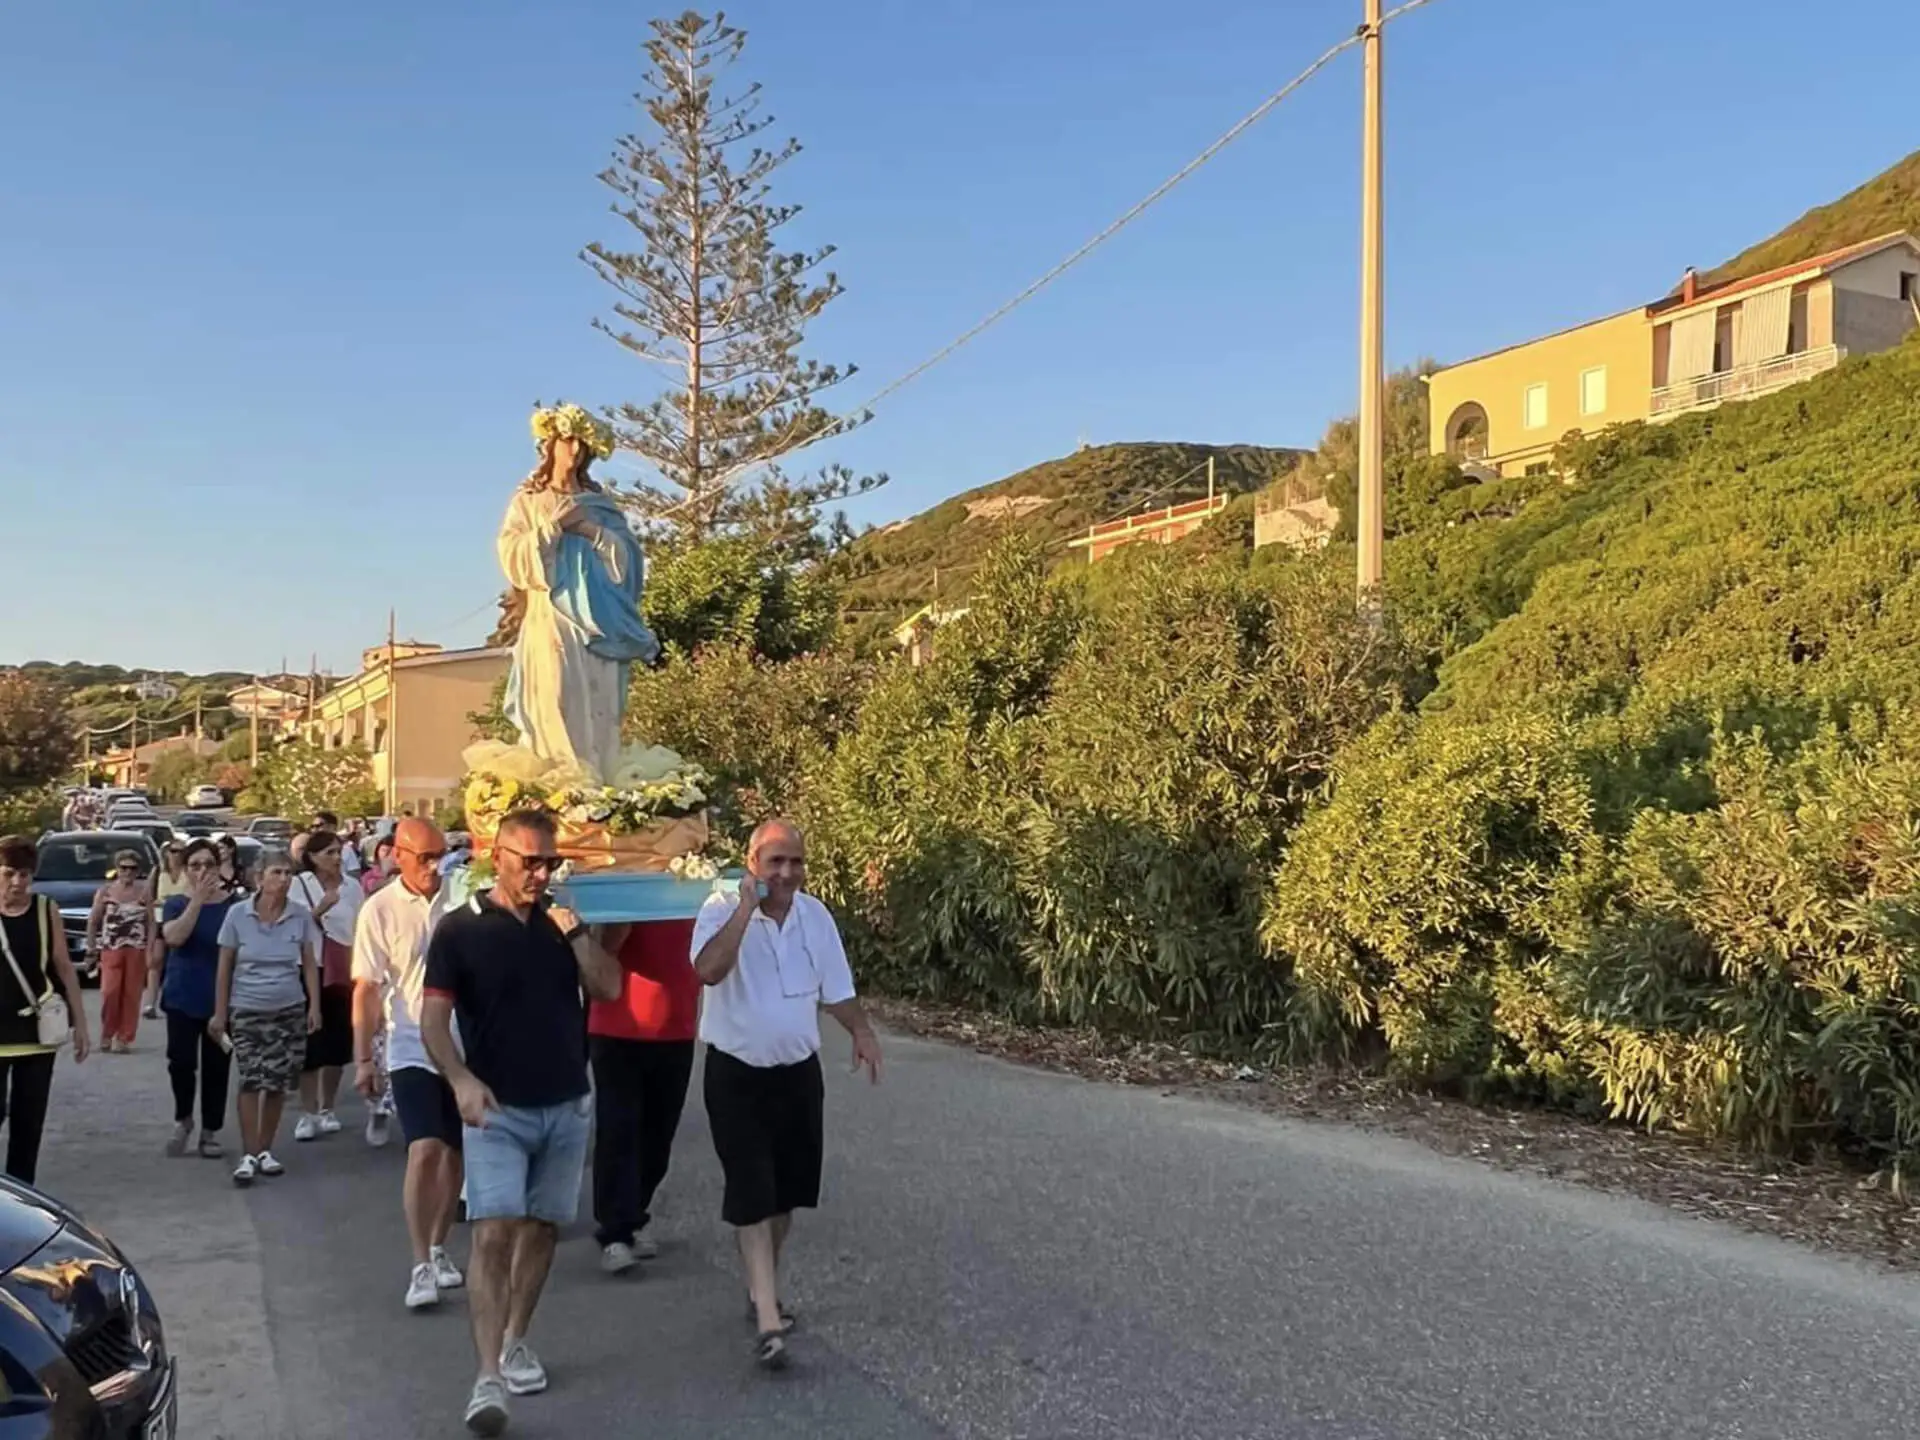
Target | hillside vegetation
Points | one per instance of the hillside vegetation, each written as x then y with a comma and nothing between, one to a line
1890,201
891,569
1621,812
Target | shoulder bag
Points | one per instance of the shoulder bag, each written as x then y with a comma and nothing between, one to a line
53,1023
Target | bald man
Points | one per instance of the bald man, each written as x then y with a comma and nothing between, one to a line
772,960
389,973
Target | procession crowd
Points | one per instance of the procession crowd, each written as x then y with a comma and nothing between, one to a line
508,1038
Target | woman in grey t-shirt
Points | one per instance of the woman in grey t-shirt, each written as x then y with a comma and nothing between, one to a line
267,1001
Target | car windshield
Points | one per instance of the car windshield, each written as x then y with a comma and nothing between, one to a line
75,859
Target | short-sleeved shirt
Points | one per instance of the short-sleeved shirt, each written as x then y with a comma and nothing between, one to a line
767,1011
390,951
193,967
515,988
266,961
659,992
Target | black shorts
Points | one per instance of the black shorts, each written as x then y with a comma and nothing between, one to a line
332,1043
768,1130
425,1103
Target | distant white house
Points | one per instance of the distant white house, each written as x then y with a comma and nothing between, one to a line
150,688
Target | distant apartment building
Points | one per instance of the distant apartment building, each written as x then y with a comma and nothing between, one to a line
1692,350
1153,527
409,707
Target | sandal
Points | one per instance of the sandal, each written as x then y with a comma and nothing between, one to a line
770,1351
787,1318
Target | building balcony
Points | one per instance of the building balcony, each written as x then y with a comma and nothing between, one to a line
1743,382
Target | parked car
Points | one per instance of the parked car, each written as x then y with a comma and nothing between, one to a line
206,797
270,827
70,867
157,830
191,824
82,1348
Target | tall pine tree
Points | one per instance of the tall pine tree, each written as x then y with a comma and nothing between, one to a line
707,295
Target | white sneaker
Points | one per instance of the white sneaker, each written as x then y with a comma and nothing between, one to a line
268,1165
446,1274
487,1409
306,1128
421,1289
646,1247
522,1370
377,1129
244,1172
329,1123
617,1258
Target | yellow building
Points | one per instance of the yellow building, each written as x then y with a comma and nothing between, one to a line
1691,350
409,707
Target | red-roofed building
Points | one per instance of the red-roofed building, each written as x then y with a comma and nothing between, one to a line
1690,350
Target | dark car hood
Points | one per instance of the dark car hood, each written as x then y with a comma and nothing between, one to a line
28,1220
68,894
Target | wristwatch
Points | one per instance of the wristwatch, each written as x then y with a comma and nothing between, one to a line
575,933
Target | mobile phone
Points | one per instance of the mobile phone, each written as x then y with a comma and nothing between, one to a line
759,888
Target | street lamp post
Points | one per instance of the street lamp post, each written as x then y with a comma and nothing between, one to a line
1371,478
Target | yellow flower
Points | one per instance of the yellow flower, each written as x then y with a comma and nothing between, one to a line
575,424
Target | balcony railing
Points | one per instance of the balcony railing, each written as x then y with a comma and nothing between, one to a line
1743,381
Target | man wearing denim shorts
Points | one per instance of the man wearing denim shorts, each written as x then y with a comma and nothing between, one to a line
511,965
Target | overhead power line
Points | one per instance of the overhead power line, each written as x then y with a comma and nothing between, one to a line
1245,123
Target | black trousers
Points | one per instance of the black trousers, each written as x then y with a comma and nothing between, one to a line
193,1056
25,1083
639,1089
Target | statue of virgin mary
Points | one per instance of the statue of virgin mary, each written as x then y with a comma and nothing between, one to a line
568,547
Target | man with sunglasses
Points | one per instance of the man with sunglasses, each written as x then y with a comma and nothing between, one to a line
511,964
389,980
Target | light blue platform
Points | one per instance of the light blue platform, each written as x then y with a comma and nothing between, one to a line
602,899
621,899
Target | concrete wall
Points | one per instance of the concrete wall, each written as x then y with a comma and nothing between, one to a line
1878,274
430,723
1864,324
1621,344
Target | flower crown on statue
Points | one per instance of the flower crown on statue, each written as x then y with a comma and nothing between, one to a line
573,423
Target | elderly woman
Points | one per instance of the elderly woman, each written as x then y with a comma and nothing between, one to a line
33,964
120,930
267,1002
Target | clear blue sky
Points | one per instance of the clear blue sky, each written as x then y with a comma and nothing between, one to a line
278,282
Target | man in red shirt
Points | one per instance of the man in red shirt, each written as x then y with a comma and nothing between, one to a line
641,1048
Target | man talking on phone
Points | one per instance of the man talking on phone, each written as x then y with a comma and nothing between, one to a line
511,964
771,959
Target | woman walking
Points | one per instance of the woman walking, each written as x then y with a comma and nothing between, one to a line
33,961
169,882
382,869
267,1001
120,931
328,893
190,926
232,872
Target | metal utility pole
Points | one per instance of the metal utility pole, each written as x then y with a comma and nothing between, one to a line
1209,484
253,725
1371,478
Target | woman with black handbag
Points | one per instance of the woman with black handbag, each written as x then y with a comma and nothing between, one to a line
34,1021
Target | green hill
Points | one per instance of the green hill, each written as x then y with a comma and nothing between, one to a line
1890,201
891,571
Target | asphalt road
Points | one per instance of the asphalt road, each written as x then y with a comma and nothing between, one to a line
1006,1253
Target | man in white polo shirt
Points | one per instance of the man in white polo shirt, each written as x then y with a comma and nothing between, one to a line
771,960
389,972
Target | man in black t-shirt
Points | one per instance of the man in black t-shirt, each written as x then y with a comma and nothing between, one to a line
511,965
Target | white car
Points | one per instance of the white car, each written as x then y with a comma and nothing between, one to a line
205,797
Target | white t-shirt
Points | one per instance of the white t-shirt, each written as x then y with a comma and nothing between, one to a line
767,1011
390,950
338,923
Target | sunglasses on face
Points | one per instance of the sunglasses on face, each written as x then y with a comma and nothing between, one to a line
203,864
431,857
542,863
